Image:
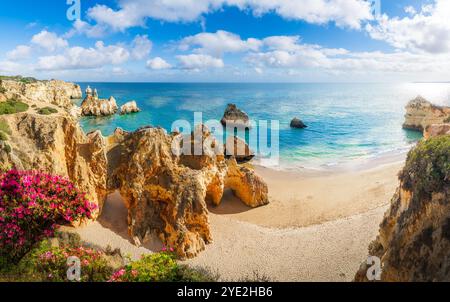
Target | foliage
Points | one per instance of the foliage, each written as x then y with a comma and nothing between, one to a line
12,106
160,267
26,80
32,205
3,136
47,111
427,168
4,127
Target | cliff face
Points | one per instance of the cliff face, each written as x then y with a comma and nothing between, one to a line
414,239
55,92
420,114
56,144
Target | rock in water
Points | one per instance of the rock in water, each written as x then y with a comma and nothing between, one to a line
93,106
130,107
239,149
420,114
235,117
414,239
297,123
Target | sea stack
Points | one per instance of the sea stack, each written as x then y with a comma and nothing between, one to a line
298,124
239,149
93,106
420,114
235,117
129,107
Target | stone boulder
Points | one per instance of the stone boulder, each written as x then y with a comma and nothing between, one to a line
297,123
238,148
129,107
92,106
235,117
414,239
436,130
420,114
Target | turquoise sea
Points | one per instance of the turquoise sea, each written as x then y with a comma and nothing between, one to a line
346,121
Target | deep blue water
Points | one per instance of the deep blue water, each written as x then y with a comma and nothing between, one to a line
346,121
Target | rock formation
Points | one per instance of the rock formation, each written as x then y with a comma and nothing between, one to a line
235,117
166,190
55,92
414,239
297,123
93,106
420,114
166,187
129,107
436,130
238,148
56,144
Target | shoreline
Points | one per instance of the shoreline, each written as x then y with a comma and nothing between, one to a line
314,229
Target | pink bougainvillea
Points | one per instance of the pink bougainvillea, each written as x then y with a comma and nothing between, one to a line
32,205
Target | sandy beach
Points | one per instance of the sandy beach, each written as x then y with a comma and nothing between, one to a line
317,226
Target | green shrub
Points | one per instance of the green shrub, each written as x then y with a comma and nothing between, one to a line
47,111
160,267
7,148
12,106
427,169
3,136
447,120
4,127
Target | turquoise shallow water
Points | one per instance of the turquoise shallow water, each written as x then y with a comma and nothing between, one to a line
346,121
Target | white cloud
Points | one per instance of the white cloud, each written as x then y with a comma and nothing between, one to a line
85,58
158,64
141,47
91,31
199,61
218,43
10,67
425,31
345,13
49,41
21,52
410,10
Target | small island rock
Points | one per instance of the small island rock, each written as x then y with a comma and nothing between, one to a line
297,123
130,107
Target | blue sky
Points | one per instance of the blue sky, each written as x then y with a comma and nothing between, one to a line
227,40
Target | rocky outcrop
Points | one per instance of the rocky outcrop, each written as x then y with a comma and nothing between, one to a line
92,106
166,188
238,148
55,92
56,144
297,123
420,114
436,130
235,117
129,107
164,182
414,239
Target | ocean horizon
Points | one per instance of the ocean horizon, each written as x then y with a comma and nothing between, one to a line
346,121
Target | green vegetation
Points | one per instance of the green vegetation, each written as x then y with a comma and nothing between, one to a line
3,136
26,80
427,169
447,120
4,127
12,106
47,111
